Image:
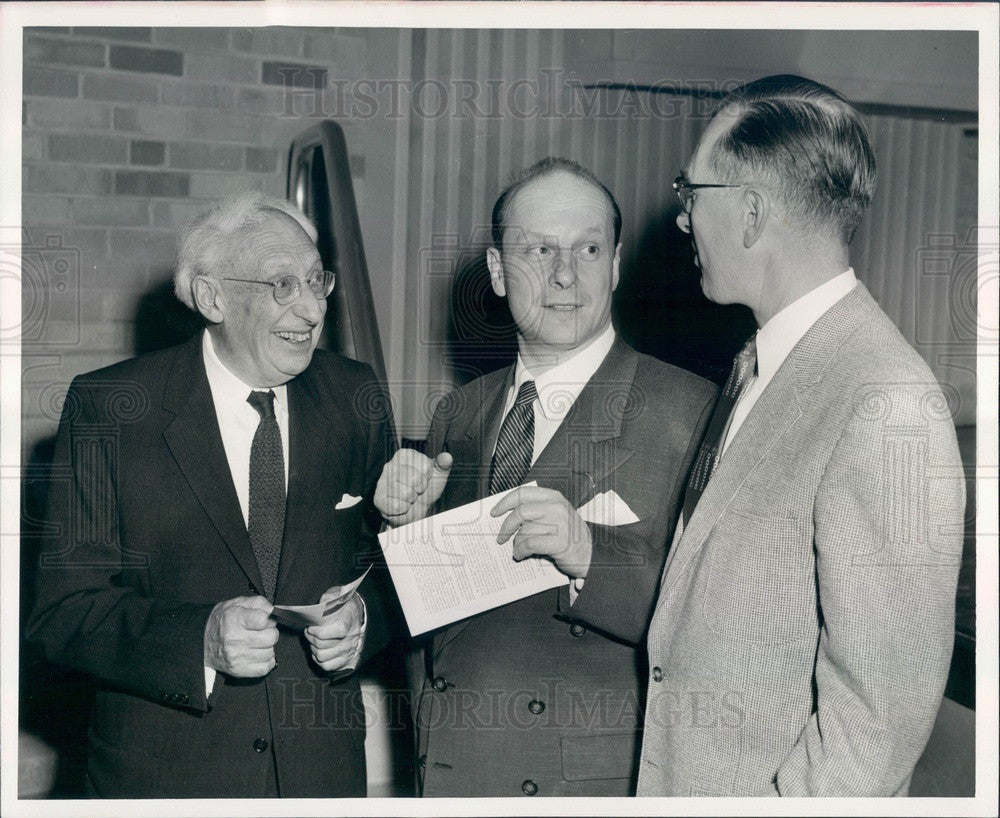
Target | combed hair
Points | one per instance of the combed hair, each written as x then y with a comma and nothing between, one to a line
805,143
544,167
209,242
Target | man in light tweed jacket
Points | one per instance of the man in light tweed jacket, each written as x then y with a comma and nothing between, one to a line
801,640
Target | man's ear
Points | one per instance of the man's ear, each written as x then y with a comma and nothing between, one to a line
615,262
208,299
495,263
756,211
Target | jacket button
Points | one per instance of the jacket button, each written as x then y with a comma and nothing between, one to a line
529,787
423,760
536,706
259,746
440,684
657,675
577,630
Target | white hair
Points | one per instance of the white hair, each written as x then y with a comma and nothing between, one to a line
209,241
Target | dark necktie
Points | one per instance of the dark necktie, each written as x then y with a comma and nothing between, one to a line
267,491
744,368
515,442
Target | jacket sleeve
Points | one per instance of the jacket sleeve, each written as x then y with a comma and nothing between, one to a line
85,615
621,587
888,539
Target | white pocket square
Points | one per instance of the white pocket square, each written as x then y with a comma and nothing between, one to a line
607,508
347,501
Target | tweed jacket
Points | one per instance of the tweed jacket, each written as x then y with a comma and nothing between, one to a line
801,639
535,697
147,536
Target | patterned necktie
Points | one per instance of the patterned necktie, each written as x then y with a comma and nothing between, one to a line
267,491
744,368
515,443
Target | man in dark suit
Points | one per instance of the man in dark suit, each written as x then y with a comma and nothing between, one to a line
202,484
534,697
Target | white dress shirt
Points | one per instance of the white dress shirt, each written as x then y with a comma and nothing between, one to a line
775,341
238,422
558,388
777,338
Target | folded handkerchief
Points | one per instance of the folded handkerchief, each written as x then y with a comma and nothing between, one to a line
607,508
347,501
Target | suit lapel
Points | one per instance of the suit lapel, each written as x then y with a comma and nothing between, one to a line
194,440
480,433
771,419
586,447
584,450
319,440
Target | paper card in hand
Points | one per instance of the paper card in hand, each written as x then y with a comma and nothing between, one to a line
333,599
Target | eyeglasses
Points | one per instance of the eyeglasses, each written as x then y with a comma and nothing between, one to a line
288,288
685,191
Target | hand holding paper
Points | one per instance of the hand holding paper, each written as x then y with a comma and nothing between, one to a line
543,523
240,637
449,566
334,642
333,599
410,484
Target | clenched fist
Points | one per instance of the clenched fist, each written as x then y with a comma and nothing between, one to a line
240,636
410,484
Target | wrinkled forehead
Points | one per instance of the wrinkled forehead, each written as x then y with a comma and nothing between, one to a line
278,243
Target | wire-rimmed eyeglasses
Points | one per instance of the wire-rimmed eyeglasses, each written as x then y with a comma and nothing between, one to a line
288,288
685,191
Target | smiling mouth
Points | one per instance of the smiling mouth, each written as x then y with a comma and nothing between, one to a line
294,337
562,307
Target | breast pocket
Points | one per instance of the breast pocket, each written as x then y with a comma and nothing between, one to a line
761,580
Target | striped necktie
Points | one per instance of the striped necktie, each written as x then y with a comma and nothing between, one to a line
744,368
515,443
266,520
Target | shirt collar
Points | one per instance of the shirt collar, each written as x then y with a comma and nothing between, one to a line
559,387
228,390
777,338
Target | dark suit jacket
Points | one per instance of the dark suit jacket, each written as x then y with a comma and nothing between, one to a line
532,697
147,536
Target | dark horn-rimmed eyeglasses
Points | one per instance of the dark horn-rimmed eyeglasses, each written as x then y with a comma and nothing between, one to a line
685,191
288,288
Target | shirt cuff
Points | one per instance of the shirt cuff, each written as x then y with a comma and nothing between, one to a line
575,586
209,680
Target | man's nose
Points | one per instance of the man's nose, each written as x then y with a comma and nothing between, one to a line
684,221
563,269
308,306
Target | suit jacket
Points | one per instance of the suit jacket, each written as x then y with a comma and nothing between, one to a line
801,640
147,536
534,697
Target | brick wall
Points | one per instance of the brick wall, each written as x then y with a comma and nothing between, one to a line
128,132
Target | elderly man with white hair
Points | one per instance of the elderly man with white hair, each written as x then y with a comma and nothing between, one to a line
207,483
